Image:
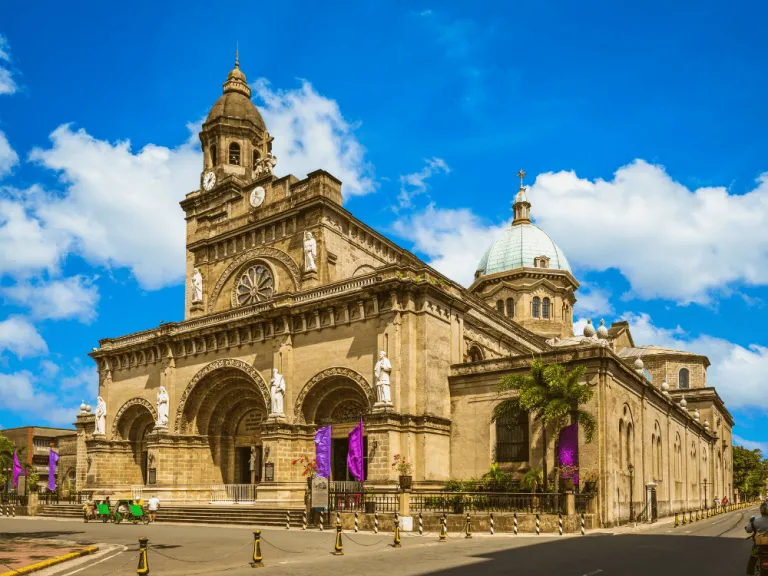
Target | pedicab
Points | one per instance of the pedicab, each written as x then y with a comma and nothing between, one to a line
128,510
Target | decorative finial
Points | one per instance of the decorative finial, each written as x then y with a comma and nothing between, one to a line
237,54
521,175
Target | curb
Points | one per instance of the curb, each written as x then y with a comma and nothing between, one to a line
51,562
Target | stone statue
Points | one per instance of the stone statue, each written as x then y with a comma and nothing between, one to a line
269,163
310,252
254,463
381,371
101,416
197,286
162,407
278,392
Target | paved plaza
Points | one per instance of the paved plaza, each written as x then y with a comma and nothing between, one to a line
716,546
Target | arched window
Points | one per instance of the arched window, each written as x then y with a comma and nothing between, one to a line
684,378
500,306
475,354
630,444
510,308
545,308
535,307
512,439
234,153
213,155
622,450
255,159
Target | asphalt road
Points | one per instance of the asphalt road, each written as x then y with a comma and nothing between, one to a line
714,547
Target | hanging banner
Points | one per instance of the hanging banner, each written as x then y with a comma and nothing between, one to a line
16,469
568,451
355,455
323,451
53,460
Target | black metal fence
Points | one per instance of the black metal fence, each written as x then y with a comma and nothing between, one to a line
366,501
13,499
462,502
583,501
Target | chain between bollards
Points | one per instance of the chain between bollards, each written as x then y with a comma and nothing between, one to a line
396,543
258,559
443,530
338,547
143,568
468,528
492,524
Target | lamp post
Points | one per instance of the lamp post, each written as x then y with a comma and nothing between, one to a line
706,501
631,492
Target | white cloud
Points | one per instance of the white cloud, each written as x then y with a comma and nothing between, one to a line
48,368
453,240
72,297
21,338
750,444
667,240
7,83
416,183
8,156
592,301
311,134
21,393
737,372
84,379
120,208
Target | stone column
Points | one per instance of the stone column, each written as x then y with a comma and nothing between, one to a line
84,426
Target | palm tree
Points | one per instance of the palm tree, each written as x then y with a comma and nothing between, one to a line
552,396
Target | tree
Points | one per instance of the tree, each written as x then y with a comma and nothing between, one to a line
750,470
552,396
7,448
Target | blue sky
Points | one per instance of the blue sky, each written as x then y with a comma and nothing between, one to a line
641,127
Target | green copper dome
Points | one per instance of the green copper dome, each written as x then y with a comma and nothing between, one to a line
518,247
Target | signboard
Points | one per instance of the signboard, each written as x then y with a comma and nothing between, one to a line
320,492
269,472
152,476
251,423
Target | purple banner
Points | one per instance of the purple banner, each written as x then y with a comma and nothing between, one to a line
323,451
568,451
53,459
355,455
16,469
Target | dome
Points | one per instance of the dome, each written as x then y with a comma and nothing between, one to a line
517,247
236,100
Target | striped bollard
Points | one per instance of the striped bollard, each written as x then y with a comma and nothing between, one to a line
538,525
492,524
287,520
582,524
357,523
304,520
375,522
514,519
322,518
421,525
13,510
560,523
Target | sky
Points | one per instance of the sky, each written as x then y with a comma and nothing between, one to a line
641,127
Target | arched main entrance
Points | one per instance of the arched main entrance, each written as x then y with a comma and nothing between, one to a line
338,397
133,422
225,403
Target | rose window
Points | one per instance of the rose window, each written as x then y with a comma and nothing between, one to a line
255,285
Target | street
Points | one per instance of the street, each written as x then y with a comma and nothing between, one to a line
716,546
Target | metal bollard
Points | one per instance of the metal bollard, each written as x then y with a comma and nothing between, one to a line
491,523
375,522
421,525
396,543
304,520
143,567
560,523
514,519
338,517
287,520
690,517
443,530
582,524
468,528
397,516
538,525
677,521
684,520
338,546
257,561
357,523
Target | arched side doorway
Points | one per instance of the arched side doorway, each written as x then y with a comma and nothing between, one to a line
133,422
338,397
226,403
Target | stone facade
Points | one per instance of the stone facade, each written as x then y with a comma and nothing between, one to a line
263,306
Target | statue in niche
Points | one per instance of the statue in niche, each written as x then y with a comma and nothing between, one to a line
101,416
381,371
197,286
278,392
162,407
310,252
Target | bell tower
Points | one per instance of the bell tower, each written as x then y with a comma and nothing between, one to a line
236,145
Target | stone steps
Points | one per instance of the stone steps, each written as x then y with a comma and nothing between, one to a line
198,514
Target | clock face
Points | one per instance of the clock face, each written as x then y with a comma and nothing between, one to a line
209,181
257,196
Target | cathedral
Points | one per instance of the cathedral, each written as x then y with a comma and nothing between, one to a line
299,315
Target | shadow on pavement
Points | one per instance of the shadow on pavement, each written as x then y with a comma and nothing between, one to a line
625,555
39,534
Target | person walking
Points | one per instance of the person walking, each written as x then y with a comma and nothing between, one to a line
154,504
